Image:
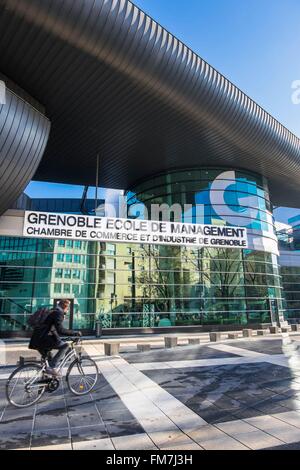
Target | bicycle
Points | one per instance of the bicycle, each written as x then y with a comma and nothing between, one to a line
28,382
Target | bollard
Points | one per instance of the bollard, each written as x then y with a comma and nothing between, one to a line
170,341
247,333
111,349
233,335
98,329
261,332
24,359
295,327
215,336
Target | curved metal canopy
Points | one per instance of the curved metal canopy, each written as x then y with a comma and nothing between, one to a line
114,82
24,132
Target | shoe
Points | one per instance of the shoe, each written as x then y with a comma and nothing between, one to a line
53,371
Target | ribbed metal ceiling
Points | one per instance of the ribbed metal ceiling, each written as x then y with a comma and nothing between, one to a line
24,132
114,81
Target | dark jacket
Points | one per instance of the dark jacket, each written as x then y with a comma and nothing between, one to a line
48,336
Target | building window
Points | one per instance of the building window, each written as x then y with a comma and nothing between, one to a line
110,278
70,243
67,274
76,289
110,249
77,244
76,274
61,242
67,288
77,258
68,258
57,288
58,273
110,263
60,257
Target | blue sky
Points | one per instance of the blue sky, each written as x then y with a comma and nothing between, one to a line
254,43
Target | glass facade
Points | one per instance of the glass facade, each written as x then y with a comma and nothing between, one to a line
130,285
289,244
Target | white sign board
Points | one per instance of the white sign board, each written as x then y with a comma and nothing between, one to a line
108,229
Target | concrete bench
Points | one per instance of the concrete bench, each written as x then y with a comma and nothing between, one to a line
274,330
111,349
234,335
262,332
215,336
247,333
171,341
143,347
295,327
194,340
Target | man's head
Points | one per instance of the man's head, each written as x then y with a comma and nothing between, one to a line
64,304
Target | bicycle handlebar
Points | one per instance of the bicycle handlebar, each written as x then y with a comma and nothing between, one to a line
74,339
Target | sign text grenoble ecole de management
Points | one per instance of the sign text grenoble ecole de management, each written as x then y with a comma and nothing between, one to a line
108,229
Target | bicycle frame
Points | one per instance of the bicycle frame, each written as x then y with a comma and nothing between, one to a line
71,354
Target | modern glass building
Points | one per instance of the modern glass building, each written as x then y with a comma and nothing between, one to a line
154,286
290,268
97,91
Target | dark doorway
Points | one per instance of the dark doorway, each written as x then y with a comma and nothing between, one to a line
70,314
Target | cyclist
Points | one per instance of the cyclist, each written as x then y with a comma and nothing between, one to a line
47,337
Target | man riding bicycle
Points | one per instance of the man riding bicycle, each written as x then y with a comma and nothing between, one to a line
47,337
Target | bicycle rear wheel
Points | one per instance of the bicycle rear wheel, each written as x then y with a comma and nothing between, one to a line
25,385
82,375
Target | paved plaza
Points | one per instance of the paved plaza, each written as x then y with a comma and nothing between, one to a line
234,394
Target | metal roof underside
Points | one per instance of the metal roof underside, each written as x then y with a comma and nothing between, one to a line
113,81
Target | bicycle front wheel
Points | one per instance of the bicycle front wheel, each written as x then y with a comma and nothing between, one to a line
25,385
82,375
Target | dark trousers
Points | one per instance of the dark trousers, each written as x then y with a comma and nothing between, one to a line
63,349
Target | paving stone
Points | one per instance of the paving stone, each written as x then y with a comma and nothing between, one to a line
55,448
85,433
46,438
96,444
163,439
45,421
85,415
176,354
258,440
277,428
235,428
124,428
222,443
290,417
135,442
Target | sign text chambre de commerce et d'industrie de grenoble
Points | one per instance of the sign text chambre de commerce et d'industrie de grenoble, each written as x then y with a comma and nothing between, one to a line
108,229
